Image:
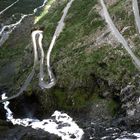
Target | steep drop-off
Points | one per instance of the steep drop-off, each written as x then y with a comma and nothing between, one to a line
95,75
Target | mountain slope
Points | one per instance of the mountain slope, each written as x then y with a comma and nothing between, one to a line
90,65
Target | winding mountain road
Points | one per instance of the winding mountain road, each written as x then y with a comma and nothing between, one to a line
5,34
136,13
58,30
29,78
52,80
1,12
118,35
37,36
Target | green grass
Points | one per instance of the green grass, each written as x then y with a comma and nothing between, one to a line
50,20
80,100
123,17
112,107
81,21
73,100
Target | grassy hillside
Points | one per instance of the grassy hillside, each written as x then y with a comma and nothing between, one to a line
76,52
90,65
85,62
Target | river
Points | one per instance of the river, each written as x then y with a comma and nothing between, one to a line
62,125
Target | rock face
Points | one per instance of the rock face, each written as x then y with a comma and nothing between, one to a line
130,101
23,133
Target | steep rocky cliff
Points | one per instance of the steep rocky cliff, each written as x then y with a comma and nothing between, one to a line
95,75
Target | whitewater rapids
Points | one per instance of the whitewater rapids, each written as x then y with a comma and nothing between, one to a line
59,123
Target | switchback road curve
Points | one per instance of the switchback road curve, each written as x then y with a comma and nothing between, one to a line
37,36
